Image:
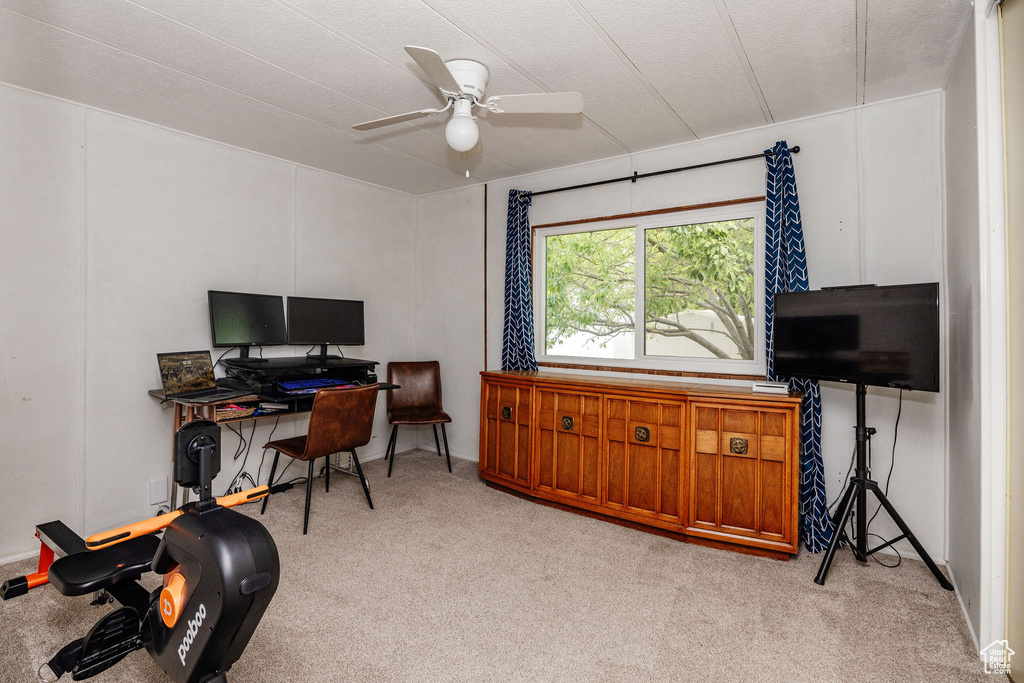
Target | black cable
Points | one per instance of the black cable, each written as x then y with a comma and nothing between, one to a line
221,356
259,470
281,476
899,558
892,463
241,442
244,460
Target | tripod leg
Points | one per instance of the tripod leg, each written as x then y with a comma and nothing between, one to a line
922,553
841,519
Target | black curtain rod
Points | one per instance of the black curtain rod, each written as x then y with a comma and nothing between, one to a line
637,176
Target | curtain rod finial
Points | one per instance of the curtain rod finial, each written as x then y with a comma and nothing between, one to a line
795,149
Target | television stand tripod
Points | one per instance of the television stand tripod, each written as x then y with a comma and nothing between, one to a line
857,492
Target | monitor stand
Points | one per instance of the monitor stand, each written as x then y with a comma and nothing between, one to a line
322,355
856,495
243,352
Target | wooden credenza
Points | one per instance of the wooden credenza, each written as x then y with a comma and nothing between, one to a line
717,465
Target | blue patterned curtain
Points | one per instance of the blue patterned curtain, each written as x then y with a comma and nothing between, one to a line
785,270
517,340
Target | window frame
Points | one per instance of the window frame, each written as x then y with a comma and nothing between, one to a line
642,361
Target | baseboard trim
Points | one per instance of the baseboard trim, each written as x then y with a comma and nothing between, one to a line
963,610
430,447
7,559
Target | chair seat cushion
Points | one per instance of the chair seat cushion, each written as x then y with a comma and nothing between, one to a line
417,416
294,447
93,570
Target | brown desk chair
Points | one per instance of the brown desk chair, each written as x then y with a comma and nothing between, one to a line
418,402
341,420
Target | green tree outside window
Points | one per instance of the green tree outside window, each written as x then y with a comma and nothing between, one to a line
698,290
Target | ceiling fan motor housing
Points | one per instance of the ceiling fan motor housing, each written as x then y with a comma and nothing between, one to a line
471,77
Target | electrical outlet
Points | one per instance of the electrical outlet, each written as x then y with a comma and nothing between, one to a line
158,490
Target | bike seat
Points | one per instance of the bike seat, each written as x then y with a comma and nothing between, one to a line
93,570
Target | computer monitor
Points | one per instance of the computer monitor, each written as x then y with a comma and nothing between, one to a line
325,322
244,320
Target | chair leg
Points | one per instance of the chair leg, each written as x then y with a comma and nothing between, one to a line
327,474
362,478
446,454
309,491
270,482
388,452
436,442
394,442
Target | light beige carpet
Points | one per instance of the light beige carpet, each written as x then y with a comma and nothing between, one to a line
448,580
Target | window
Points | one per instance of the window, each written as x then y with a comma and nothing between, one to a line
694,279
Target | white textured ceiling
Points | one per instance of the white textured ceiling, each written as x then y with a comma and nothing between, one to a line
291,77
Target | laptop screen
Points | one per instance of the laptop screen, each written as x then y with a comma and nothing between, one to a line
186,371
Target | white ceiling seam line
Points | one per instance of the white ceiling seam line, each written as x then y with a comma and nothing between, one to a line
301,143
862,50
228,145
741,55
599,31
353,41
344,131
631,156
349,39
262,60
515,131
512,64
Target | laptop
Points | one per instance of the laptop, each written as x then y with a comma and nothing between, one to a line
188,378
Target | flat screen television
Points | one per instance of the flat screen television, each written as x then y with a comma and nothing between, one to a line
325,322
879,336
244,320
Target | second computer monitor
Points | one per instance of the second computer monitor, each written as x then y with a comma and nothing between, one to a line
325,322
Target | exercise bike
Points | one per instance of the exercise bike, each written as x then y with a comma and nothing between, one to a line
220,570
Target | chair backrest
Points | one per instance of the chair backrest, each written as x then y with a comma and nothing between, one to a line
420,382
341,420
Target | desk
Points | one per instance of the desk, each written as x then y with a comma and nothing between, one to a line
186,412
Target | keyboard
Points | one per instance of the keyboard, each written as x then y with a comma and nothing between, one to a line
309,386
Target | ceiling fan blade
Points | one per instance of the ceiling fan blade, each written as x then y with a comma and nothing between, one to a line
537,103
370,125
434,67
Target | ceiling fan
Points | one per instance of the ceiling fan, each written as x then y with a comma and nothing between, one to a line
462,83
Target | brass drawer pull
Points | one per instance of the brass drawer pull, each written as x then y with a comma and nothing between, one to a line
642,434
567,423
738,445
506,413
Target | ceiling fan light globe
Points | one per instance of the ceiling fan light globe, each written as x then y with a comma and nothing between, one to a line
462,133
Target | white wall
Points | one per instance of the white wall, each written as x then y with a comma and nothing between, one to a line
112,231
871,196
42,377
450,308
115,229
964,329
